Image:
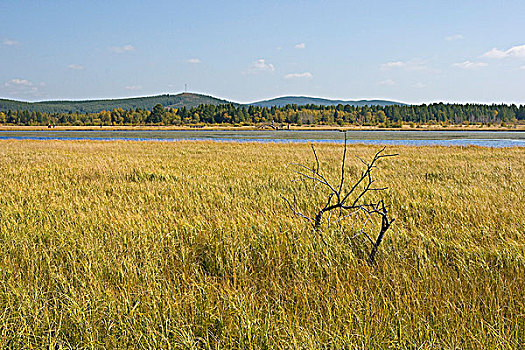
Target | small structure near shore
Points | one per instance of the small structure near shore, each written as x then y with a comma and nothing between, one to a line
273,126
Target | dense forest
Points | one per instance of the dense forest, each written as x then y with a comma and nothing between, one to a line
233,114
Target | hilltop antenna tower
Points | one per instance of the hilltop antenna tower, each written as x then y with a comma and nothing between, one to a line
185,87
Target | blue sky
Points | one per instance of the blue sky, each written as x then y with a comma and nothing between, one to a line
410,51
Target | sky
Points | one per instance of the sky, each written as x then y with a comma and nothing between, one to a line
408,51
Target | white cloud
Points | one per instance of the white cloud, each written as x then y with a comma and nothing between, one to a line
454,37
387,82
305,75
522,67
419,85
393,65
262,66
300,46
194,60
414,64
123,49
22,87
76,66
515,51
133,87
9,42
494,53
18,82
470,65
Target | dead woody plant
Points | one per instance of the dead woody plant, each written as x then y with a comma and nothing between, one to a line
348,201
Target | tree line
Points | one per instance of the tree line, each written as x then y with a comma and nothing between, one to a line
232,114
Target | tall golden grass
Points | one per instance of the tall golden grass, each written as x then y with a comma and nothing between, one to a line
189,245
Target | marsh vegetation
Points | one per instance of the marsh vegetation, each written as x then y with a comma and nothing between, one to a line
189,245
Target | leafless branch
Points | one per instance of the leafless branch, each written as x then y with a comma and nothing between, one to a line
352,199
295,211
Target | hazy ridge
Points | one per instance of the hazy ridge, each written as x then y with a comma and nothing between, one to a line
304,100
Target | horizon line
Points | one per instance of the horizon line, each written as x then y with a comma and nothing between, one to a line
262,100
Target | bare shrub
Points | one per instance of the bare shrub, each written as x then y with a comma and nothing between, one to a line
348,200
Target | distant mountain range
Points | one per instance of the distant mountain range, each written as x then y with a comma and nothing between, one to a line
302,100
187,100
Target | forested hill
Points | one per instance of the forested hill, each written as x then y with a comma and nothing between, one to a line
303,100
187,100
195,109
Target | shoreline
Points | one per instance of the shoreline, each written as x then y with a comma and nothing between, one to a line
470,128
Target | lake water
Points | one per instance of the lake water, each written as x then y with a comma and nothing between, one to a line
412,137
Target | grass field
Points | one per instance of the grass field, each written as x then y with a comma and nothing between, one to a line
189,245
